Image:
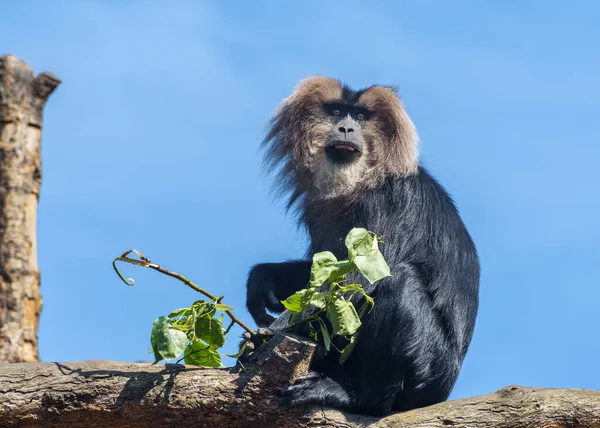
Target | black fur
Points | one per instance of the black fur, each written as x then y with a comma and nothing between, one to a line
411,346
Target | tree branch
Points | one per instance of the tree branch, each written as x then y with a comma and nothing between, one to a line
145,262
104,393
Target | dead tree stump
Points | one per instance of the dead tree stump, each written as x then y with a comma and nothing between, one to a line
22,98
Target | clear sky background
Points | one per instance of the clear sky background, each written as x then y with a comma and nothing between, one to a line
151,142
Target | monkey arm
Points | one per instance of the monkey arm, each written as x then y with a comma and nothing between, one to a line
269,283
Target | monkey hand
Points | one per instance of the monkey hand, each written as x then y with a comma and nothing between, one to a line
260,296
252,342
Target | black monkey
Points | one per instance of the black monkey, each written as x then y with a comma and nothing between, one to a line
349,159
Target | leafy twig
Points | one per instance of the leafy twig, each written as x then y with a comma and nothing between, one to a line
197,333
145,262
363,256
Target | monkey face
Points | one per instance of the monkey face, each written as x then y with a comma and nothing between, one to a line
330,139
345,142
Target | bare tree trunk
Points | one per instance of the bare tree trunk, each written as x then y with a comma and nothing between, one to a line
111,394
22,98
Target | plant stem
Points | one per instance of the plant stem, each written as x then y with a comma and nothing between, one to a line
229,328
194,287
303,320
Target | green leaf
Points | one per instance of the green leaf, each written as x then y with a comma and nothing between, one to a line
222,307
351,287
239,353
340,270
200,354
373,267
359,242
359,289
202,308
167,342
180,312
363,251
183,319
318,300
305,299
294,303
345,353
184,324
325,334
322,265
343,317
326,268
211,331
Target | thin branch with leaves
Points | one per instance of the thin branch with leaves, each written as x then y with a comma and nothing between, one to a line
325,306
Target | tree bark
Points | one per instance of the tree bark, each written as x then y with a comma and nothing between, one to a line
22,98
104,393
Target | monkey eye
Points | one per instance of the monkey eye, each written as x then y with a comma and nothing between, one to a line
335,109
360,116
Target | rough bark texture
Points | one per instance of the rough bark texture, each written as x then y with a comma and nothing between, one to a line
22,98
104,393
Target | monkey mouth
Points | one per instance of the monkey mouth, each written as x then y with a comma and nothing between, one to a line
344,147
342,151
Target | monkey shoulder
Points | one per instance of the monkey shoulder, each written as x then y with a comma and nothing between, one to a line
418,219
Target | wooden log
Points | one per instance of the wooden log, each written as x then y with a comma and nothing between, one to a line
111,394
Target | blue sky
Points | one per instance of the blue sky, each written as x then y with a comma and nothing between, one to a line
151,142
